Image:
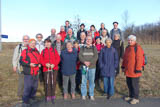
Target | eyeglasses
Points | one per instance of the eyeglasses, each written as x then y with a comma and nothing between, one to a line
39,37
25,39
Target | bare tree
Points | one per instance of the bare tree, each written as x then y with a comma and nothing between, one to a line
76,24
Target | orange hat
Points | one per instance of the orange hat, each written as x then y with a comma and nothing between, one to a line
30,40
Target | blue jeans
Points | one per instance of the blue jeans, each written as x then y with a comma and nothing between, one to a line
108,85
90,75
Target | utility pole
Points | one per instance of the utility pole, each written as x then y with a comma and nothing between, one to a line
0,29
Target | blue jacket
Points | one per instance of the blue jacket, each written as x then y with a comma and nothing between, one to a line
68,62
108,61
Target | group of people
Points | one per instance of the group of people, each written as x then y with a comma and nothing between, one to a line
72,61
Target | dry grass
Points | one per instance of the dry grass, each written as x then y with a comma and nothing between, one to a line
149,83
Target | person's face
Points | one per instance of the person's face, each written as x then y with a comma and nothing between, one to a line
67,23
89,40
102,26
70,32
62,29
58,39
69,46
115,25
83,36
32,44
131,42
48,44
82,27
25,40
76,45
108,43
53,31
89,34
92,28
104,33
39,38
116,37
98,41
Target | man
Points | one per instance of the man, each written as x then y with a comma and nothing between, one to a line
16,66
82,26
39,42
132,66
67,25
103,28
88,57
70,36
116,30
52,37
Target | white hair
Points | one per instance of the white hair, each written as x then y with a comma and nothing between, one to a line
58,36
132,37
25,36
108,39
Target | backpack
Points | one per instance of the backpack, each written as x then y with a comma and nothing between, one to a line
144,57
20,48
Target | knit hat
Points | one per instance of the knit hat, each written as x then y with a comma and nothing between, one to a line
98,37
30,40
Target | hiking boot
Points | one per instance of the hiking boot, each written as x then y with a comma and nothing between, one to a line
83,97
92,98
134,101
65,97
127,98
109,97
53,99
25,104
73,96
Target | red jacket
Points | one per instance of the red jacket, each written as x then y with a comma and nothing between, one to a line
132,62
30,56
63,35
50,56
99,47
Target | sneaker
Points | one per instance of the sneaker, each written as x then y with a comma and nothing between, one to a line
83,97
127,98
134,101
65,97
92,98
73,96
52,101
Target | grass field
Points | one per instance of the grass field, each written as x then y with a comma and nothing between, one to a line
149,83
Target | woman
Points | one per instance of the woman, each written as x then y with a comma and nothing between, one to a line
108,62
30,61
118,45
50,60
68,68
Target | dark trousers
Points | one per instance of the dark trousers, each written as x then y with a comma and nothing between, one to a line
30,88
50,83
78,78
133,86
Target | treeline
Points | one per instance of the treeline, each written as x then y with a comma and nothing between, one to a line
146,34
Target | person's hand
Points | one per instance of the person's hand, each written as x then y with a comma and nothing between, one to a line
14,69
48,65
32,64
52,66
39,65
87,63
